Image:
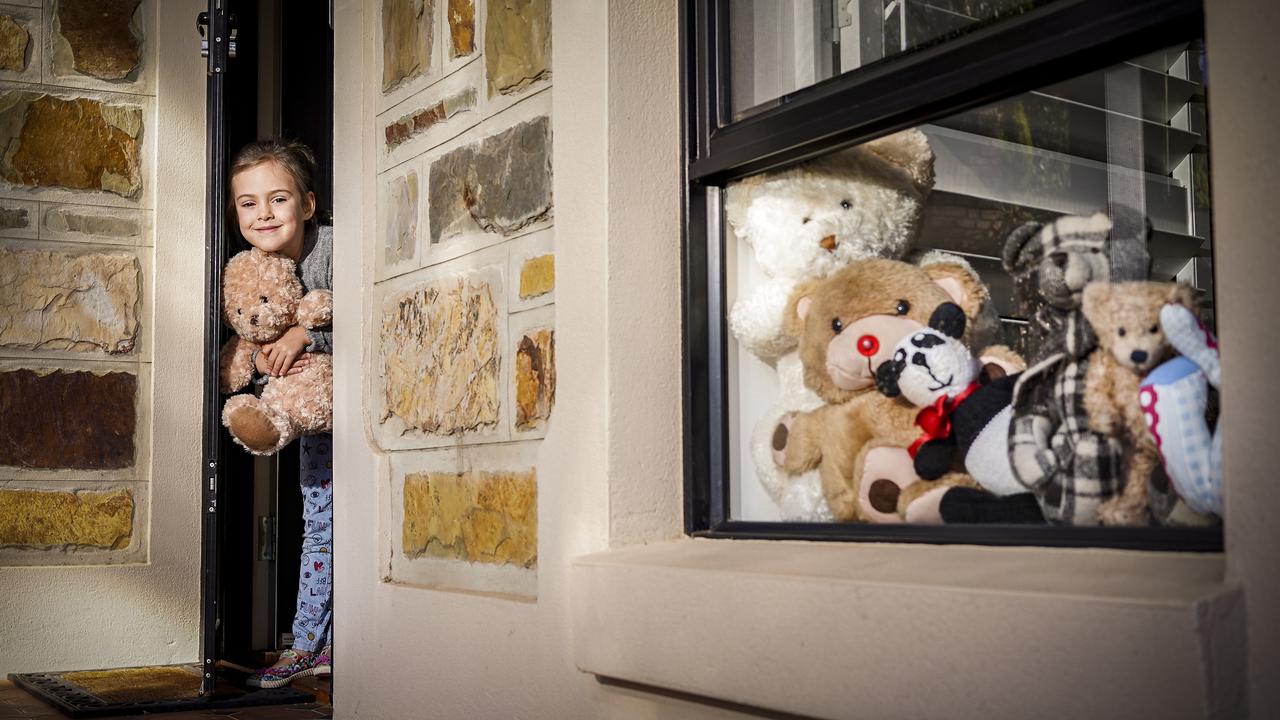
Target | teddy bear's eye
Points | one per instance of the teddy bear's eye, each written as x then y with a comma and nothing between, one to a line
1095,251
845,204
805,221
1155,329
837,325
1120,332
263,298
238,311
904,307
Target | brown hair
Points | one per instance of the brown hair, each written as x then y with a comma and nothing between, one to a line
294,156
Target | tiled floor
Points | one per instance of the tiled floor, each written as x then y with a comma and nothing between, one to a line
16,703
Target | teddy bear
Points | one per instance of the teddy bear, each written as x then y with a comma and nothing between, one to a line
1125,317
1174,399
1071,469
261,298
804,223
846,326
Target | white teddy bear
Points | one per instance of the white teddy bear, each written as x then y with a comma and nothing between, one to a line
805,223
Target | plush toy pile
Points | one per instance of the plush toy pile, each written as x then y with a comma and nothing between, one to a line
261,298
891,410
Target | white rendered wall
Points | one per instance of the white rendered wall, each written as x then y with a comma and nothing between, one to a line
84,617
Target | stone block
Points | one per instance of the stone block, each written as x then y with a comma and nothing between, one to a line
13,45
96,223
79,144
479,517
14,218
535,378
67,420
406,40
462,28
517,44
83,519
424,119
500,184
537,276
441,359
402,225
55,300
101,36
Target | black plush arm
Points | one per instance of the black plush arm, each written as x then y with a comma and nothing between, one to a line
933,459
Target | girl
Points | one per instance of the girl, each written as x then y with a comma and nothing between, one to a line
275,209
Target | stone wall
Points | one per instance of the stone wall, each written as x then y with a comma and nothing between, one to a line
463,331
77,104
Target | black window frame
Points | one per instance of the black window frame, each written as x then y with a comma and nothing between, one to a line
999,59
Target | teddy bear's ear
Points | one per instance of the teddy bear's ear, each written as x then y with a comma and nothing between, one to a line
738,198
910,151
1094,303
1022,248
1182,295
960,282
797,309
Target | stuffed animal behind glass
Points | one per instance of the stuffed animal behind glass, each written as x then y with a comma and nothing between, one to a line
261,298
1125,317
963,420
1174,398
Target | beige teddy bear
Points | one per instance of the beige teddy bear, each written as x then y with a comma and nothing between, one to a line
1125,316
261,298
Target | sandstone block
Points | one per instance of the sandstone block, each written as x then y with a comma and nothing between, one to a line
500,184
480,517
462,27
101,35
535,378
78,519
537,276
406,40
67,420
95,223
14,218
402,225
13,45
517,44
80,144
441,358
55,300
420,121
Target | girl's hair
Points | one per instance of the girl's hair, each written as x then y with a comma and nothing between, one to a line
294,156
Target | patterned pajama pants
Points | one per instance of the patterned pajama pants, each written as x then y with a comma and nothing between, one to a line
312,624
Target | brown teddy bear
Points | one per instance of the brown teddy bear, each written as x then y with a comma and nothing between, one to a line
846,326
261,298
1125,317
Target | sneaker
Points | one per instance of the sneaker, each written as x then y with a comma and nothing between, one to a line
289,667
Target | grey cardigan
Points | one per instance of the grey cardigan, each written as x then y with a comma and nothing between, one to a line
315,270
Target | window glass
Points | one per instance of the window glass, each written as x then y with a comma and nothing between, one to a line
1129,141
780,46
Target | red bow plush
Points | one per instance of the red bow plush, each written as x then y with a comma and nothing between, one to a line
935,420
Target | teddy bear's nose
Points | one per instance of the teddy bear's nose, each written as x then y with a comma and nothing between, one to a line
1138,356
868,345
253,320
1059,259
829,243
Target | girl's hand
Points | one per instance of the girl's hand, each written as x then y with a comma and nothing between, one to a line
285,356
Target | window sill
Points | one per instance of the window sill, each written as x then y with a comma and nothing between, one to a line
824,629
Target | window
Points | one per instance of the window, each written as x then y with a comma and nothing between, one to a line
1030,111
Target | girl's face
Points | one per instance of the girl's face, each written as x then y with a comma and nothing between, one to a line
271,213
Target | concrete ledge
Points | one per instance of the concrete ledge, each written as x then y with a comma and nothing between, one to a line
898,631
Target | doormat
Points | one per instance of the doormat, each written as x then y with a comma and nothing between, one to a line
166,688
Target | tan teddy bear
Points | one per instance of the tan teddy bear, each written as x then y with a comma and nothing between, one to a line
261,298
846,326
1125,316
